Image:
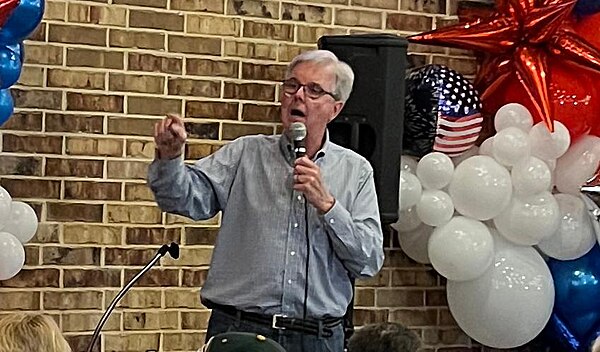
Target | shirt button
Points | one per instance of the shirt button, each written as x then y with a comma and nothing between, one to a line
289,281
300,198
292,253
331,221
295,225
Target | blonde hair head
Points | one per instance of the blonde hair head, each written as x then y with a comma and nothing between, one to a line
31,333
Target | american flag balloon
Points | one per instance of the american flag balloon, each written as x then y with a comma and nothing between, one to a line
442,112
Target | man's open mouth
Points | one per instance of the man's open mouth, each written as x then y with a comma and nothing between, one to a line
297,113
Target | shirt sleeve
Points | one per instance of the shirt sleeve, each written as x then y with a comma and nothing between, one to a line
197,191
356,235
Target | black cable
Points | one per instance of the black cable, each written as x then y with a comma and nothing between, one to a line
307,261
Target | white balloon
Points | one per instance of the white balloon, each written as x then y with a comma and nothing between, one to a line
594,210
487,147
435,207
575,234
531,176
435,170
513,115
5,203
462,249
12,256
408,220
510,146
23,223
546,145
510,303
529,219
410,190
551,164
474,150
408,163
414,243
577,165
480,188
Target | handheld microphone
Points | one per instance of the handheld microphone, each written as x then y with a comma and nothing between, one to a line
298,134
173,251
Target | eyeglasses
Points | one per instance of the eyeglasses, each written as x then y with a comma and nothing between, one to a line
311,89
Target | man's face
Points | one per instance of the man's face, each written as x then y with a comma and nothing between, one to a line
305,105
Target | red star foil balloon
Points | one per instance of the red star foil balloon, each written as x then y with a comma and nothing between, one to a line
6,9
517,42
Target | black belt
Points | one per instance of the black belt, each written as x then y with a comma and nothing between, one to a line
322,327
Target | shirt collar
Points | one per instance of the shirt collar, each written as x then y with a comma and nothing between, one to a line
287,147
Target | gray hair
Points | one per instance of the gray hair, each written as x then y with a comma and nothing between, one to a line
384,337
344,77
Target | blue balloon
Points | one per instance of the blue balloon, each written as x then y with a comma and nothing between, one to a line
587,7
576,316
22,22
18,49
10,67
7,106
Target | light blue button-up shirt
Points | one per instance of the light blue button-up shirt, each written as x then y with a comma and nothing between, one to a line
259,260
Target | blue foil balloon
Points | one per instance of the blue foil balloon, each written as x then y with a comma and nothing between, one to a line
10,67
6,105
576,316
587,7
19,50
22,22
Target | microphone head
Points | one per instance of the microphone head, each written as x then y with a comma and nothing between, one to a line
174,250
297,131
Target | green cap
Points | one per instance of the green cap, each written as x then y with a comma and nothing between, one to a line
241,342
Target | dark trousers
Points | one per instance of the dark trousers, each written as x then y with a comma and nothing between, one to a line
292,341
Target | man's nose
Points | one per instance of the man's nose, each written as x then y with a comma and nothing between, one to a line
300,93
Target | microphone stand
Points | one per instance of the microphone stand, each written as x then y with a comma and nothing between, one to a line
173,251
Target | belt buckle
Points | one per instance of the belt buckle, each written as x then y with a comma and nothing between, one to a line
274,321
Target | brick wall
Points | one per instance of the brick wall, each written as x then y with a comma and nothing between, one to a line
98,74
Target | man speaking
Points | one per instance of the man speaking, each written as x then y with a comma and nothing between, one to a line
300,214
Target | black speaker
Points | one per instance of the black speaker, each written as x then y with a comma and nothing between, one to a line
372,120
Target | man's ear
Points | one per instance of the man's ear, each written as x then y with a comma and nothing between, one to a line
337,108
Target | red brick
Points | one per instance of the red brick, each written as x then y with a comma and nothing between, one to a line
23,166
152,235
154,63
249,91
155,277
254,8
260,113
77,34
87,190
195,45
32,188
94,102
233,131
94,58
209,109
74,167
24,121
74,212
43,278
211,68
74,123
32,144
156,20
92,277
37,99
128,256
71,256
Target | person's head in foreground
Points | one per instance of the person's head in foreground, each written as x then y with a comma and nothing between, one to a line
596,345
241,342
31,333
384,337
